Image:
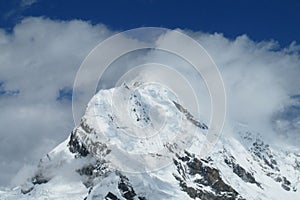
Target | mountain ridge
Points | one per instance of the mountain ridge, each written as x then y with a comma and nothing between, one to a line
107,157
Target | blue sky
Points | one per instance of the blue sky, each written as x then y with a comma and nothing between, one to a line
260,20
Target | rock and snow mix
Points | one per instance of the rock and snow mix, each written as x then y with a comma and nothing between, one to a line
139,142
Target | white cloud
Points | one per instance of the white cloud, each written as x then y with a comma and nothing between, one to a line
42,56
26,3
259,78
38,59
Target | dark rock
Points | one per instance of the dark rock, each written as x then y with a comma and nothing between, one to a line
262,151
239,170
285,187
85,126
188,168
93,170
142,198
76,146
286,184
26,188
111,196
189,116
278,179
125,188
39,178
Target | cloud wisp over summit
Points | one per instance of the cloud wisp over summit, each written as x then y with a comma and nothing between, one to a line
40,57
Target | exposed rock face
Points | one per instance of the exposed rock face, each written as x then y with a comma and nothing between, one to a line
80,138
239,170
76,146
125,187
123,190
202,175
93,170
189,116
262,151
111,196
263,154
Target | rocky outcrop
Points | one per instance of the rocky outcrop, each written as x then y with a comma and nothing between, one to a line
200,174
238,169
76,146
189,116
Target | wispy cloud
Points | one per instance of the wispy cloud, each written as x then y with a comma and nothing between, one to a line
27,3
14,14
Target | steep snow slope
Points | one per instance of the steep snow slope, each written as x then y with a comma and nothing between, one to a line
139,142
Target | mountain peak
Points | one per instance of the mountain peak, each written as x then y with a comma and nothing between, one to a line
139,142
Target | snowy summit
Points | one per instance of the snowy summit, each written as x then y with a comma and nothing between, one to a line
139,142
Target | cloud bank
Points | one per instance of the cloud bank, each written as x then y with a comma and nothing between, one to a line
38,63
40,58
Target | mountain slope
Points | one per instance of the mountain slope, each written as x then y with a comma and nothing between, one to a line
139,142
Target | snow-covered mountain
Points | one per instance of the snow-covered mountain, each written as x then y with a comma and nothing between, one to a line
139,142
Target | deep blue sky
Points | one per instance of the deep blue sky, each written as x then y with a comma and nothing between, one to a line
260,20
